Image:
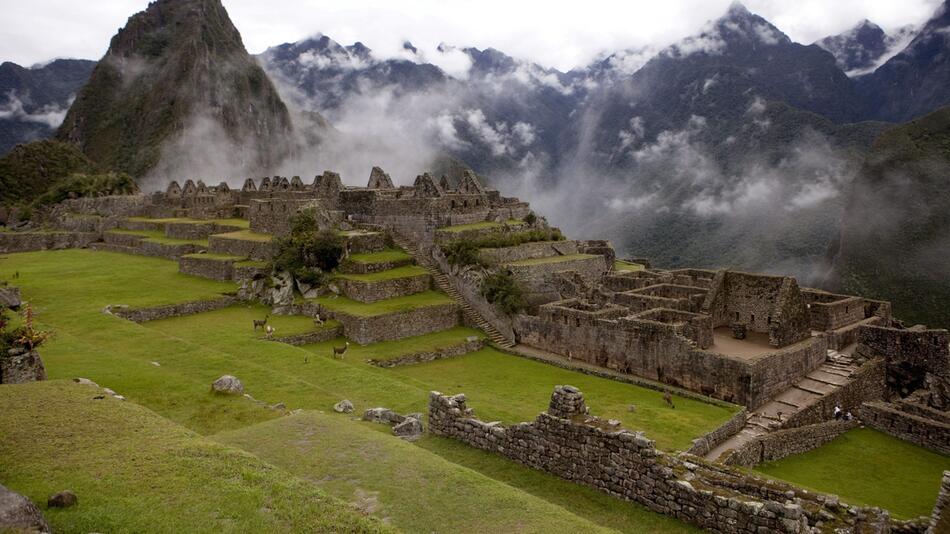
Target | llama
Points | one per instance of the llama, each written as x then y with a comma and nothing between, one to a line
317,320
668,399
269,331
261,322
338,352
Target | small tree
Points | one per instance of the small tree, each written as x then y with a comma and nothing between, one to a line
308,252
501,290
463,252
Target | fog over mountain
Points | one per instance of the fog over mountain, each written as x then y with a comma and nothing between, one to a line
734,147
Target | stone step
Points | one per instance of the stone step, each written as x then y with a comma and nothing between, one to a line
805,389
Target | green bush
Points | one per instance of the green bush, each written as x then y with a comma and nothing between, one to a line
530,218
502,291
308,253
461,253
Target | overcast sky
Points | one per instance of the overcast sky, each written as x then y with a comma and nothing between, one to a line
555,34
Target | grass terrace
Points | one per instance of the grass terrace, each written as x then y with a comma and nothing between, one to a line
259,264
626,266
383,256
135,471
157,236
405,271
247,235
552,259
459,228
215,257
867,467
383,307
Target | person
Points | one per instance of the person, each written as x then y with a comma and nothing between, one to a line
848,416
837,412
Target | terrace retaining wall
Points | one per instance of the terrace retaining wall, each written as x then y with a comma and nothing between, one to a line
375,290
390,326
201,265
709,441
246,248
781,443
427,356
12,242
922,431
142,315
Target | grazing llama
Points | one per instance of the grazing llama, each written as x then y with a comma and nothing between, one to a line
260,322
269,331
339,351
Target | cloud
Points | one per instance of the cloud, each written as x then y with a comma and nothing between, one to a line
51,115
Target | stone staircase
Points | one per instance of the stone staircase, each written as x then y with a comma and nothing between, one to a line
446,286
771,416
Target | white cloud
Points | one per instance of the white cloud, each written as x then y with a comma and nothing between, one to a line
50,115
555,34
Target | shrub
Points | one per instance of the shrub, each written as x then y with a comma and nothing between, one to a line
502,291
308,252
530,218
26,336
461,253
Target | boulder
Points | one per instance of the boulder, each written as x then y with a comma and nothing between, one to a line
20,366
10,297
228,385
344,406
63,499
410,429
17,513
383,415
282,294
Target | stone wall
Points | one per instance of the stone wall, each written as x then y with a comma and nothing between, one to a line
543,249
206,267
916,359
316,336
666,353
709,441
194,231
11,242
386,327
569,443
374,290
452,351
867,384
922,431
142,315
245,248
940,519
781,443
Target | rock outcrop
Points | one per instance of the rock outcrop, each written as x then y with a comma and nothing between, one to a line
228,385
19,366
19,514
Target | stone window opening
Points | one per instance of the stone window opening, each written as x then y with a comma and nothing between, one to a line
737,317
752,318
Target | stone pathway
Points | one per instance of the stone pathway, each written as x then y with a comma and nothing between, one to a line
834,373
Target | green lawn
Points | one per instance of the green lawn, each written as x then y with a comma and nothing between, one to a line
620,265
412,488
215,257
867,467
383,256
389,350
247,235
382,307
134,471
405,271
241,320
167,366
552,259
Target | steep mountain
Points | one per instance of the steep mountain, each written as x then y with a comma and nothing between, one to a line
864,47
34,100
895,237
915,81
178,86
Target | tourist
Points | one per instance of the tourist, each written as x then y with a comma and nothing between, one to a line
837,412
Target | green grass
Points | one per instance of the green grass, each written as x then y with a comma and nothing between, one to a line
247,235
405,271
620,265
867,467
252,263
134,471
383,256
412,488
389,350
242,318
552,259
458,228
383,307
